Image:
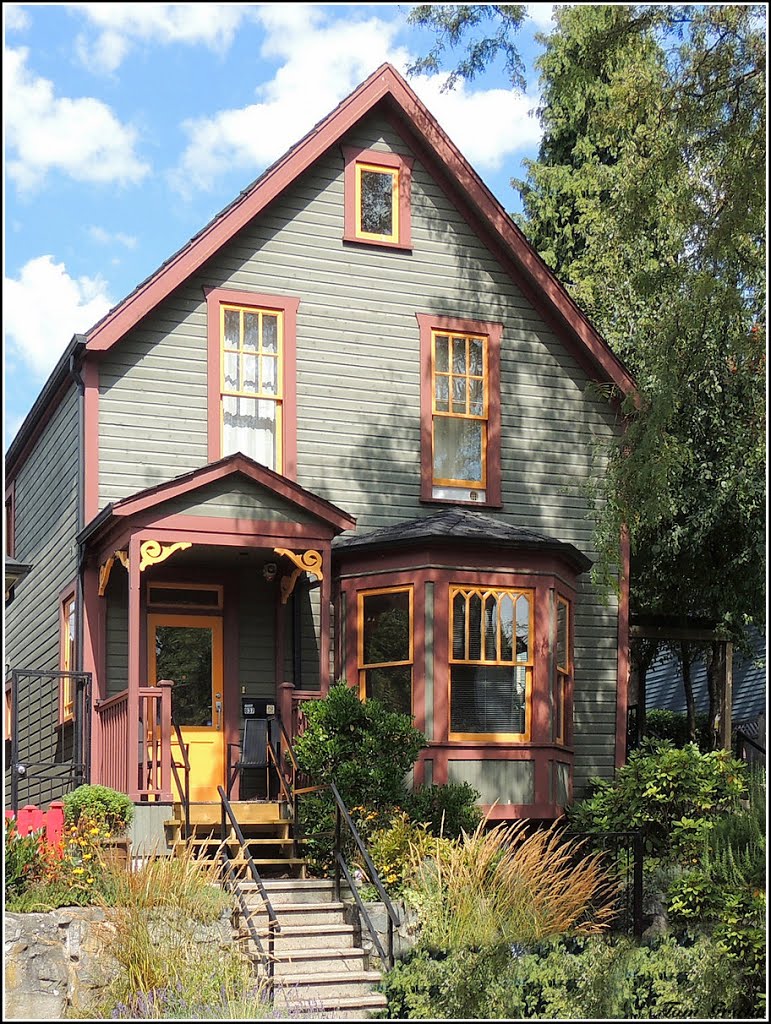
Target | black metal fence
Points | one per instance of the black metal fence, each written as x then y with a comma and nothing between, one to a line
46,756
623,856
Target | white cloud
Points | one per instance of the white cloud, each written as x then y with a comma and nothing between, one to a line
44,307
15,18
119,26
103,237
323,61
487,125
541,14
81,137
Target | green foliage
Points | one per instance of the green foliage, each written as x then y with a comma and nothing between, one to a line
361,746
589,979
491,27
101,804
672,796
446,810
673,726
23,860
392,846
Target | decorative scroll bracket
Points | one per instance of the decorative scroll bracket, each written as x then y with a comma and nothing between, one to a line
305,561
151,552
104,574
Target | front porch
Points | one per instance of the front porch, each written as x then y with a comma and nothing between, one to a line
207,602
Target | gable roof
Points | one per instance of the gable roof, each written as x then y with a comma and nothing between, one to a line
237,464
385,85
459,526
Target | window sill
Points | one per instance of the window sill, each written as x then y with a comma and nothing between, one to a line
462,504
375,244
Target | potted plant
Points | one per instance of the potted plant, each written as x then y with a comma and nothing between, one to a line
107,809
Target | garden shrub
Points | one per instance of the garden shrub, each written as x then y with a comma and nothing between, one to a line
366,750
362,746
392,846
101,804
568,979
446,810
671,795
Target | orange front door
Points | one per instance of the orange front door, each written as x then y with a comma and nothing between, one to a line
188,650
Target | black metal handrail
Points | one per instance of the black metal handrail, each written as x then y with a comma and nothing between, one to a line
342,815
742,737
231,881
183,788
273,925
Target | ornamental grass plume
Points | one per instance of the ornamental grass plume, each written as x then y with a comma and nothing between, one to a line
509,884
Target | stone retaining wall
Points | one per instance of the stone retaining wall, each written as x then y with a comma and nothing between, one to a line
60,960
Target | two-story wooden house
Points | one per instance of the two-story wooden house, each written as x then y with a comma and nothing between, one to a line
349,430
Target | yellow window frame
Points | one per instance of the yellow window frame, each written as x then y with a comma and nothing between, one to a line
563,672
497,592
277,396
67,627
450,375
362,666
393,173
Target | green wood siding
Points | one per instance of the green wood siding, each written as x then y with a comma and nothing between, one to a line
45,527
358,387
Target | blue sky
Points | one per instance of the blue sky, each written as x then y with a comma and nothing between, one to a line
128,126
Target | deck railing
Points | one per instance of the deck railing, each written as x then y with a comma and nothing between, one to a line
148,778
113,722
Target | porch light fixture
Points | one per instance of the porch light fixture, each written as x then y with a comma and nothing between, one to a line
269,571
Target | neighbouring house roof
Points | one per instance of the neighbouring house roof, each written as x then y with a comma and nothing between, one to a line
664,684
14,571
238,464
474,199
464,526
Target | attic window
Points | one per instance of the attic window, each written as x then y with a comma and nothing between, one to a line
377,198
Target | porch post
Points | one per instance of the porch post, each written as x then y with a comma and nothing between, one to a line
91,663
325,597
132,753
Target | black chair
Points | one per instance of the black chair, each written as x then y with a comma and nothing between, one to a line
253,756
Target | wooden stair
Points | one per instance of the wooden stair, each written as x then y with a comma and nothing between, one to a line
266,829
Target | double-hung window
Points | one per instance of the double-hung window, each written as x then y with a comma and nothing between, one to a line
251,377
385,653
460,410
491,663
251,388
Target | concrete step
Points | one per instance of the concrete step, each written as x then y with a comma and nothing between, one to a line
305,937
350,1007
296,890
329,986
295,914
319,961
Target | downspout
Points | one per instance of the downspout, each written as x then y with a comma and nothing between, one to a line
79,594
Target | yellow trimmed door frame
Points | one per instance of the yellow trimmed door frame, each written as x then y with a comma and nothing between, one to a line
206,741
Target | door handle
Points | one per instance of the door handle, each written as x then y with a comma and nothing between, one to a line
218,709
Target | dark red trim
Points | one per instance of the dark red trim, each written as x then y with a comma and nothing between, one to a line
492,330
90,439
286,304
393,161
622,686
273,482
